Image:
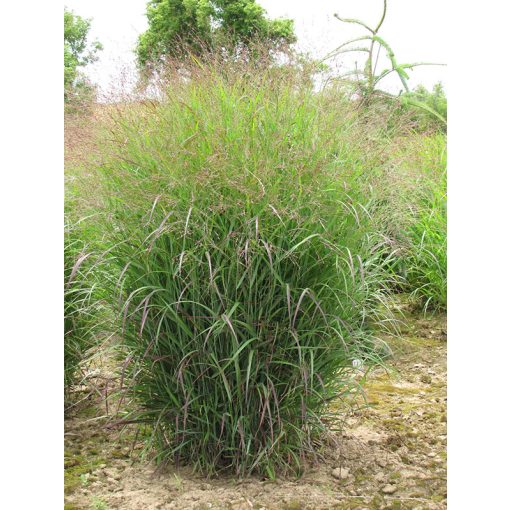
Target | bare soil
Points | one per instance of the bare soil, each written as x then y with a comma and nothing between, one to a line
391,454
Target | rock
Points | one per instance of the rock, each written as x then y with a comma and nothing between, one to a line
112,473
340,473
381,462
389,489
379,477
240,504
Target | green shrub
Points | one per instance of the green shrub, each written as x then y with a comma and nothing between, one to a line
247,264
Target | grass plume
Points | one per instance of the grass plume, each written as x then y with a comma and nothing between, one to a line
249,270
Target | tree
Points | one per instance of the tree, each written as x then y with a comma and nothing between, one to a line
77,51
177,24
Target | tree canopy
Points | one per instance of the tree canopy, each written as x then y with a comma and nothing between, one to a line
77,51
174,24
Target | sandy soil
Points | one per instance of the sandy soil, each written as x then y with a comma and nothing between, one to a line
390,455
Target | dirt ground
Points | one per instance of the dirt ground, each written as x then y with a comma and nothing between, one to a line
390,455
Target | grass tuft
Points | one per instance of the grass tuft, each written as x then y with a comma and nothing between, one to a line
426,261
83,307
249,270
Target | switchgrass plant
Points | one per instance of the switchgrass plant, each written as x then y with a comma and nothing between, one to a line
249,276
426,262
410,212
83,307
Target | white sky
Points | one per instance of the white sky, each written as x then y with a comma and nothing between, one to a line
416,30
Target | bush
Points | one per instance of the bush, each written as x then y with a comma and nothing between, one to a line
247,264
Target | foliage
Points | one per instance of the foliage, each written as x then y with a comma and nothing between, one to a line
435,102
426,260
82,306
247,265
367,80
78,52
200,24
409,196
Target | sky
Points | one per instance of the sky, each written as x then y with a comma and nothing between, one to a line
416,30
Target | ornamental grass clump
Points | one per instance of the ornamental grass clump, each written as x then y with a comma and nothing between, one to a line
426,260
246,261
81,304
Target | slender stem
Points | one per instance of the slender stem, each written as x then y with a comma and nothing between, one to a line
382,18
377,59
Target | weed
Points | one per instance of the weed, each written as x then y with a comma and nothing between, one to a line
84,479
98,504
367,80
